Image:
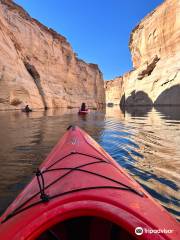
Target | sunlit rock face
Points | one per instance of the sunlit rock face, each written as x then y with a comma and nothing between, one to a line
155,50
38,66
156,35
114,90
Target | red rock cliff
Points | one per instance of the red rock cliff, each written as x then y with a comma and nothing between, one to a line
38,66
155,50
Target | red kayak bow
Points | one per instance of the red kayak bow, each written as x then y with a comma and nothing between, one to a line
80,192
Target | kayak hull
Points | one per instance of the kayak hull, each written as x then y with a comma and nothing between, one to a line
81,180
83,112
23,110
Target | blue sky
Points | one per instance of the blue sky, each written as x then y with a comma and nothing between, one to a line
98,30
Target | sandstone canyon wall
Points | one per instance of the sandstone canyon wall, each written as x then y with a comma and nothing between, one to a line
114,90
38,66
155,50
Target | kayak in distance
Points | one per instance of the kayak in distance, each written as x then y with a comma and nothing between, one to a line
24,110
27,109
83,109
80,192
83,112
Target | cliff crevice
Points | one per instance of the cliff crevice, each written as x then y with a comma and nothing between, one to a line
36,77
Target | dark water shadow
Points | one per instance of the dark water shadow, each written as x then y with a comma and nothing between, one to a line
169,112
138,111
170,96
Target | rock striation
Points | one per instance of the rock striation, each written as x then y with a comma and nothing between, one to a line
155,50
38,66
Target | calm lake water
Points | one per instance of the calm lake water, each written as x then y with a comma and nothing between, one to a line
146,142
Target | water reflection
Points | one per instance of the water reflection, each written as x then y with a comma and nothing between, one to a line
144,141
155,161
136,111
169,112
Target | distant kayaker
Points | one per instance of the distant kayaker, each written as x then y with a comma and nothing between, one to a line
27,109
83,107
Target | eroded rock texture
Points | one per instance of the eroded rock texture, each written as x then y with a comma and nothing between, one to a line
155,49
38,66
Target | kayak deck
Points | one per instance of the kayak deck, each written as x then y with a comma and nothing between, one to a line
79,184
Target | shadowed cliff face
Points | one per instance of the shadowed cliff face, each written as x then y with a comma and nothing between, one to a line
138,98
138,104
169,112
169,96
155,50
38,66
